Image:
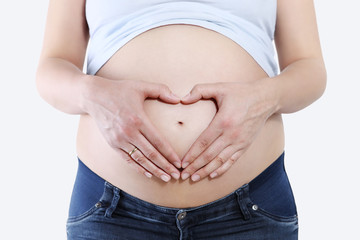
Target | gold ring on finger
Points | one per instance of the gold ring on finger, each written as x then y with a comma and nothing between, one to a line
132,151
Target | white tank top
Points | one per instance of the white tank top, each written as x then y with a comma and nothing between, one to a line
249,23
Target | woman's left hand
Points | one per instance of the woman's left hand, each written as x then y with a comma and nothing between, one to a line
243,109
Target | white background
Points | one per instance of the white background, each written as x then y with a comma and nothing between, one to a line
37,142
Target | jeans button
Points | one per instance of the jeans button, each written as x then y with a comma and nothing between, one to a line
181,215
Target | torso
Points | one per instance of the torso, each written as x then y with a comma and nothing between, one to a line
180,56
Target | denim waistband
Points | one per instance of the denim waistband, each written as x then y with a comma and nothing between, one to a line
153,212
117,200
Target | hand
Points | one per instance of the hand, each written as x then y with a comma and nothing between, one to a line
117,108
243,109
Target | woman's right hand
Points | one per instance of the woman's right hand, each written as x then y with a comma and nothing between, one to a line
117,108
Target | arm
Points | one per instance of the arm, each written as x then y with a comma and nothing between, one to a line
244,108
115,105
59,78
303,75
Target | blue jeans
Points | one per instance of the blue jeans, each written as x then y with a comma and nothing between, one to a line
262,209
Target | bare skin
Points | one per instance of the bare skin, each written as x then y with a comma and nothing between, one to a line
223,134
180,74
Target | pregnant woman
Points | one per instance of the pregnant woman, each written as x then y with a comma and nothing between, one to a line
180,133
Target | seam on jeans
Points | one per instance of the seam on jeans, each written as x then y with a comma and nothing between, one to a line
274,217
87,213
242,205
81,217
116,196
122,212
179,227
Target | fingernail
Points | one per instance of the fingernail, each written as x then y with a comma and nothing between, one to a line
185,164
175,175
149,175
177,164
165,178
213,175
185,176
195,178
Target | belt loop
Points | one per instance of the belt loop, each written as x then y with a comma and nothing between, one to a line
115,199
241,195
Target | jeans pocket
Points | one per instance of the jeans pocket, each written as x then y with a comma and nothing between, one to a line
96,207
85,202
257,210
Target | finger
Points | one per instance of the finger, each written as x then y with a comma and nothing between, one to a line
206,138
134,154
133,164
161,91
157,159
223,168
141,160
207,156
201,91
158,142
217,162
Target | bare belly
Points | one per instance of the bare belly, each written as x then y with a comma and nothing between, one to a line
180,56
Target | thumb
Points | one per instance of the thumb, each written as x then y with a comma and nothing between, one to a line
200,91
162,92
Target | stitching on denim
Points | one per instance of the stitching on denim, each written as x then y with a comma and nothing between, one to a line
241,196
84,215
267,214
114,202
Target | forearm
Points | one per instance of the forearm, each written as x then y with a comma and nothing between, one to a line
62,85
298,85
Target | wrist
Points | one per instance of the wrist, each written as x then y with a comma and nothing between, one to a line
271,92
87,91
